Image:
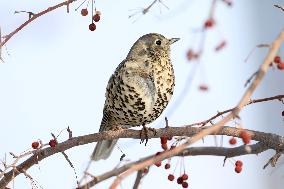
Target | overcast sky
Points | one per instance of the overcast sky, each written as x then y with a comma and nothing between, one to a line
56,71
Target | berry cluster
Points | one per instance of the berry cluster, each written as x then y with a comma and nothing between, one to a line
96,18
238,166
38,144
180,180
245,136
279,63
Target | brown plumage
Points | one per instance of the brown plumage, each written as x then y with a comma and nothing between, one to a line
139,90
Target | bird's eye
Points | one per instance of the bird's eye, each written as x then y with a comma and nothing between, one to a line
158,42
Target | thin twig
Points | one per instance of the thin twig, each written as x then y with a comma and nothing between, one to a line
203,123
280,7
138,179
32,18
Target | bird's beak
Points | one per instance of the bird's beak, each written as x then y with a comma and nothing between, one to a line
173,40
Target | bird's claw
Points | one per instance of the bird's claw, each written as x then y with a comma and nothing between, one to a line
146,137
116,128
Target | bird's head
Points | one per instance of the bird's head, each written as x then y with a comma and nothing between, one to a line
152,43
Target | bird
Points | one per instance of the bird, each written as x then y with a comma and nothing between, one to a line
139,90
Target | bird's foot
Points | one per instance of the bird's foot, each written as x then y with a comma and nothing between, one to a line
116,128
145,130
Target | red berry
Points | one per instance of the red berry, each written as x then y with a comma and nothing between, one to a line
96,17
190,54
52,143
163,140
158,164
179,180
35,145
209,23
164,146
184,176
92,27
84,12
203,87
171,177
246,137
233,141
146,170
277,59
167,166
184,185
280,66
238,169
239,163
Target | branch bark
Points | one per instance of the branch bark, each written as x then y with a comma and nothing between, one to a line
192,151
272,141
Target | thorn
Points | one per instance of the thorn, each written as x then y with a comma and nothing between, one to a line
69,132
167,122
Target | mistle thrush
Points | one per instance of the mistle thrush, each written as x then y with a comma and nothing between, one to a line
139,89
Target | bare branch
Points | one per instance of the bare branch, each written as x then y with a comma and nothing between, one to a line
138,179
280,7
203,123
32,18
272,141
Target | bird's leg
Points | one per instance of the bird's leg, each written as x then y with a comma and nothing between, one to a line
146,130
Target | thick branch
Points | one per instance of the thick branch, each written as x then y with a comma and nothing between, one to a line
273,141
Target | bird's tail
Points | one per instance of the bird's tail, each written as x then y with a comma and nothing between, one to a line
103,149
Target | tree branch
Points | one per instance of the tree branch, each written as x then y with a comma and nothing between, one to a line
272,141
138,179
192,151
203,123
32,18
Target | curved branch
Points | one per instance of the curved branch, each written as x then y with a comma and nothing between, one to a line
272,141
192,151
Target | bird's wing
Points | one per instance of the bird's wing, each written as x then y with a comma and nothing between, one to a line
128,72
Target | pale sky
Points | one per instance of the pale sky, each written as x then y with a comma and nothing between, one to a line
56,71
